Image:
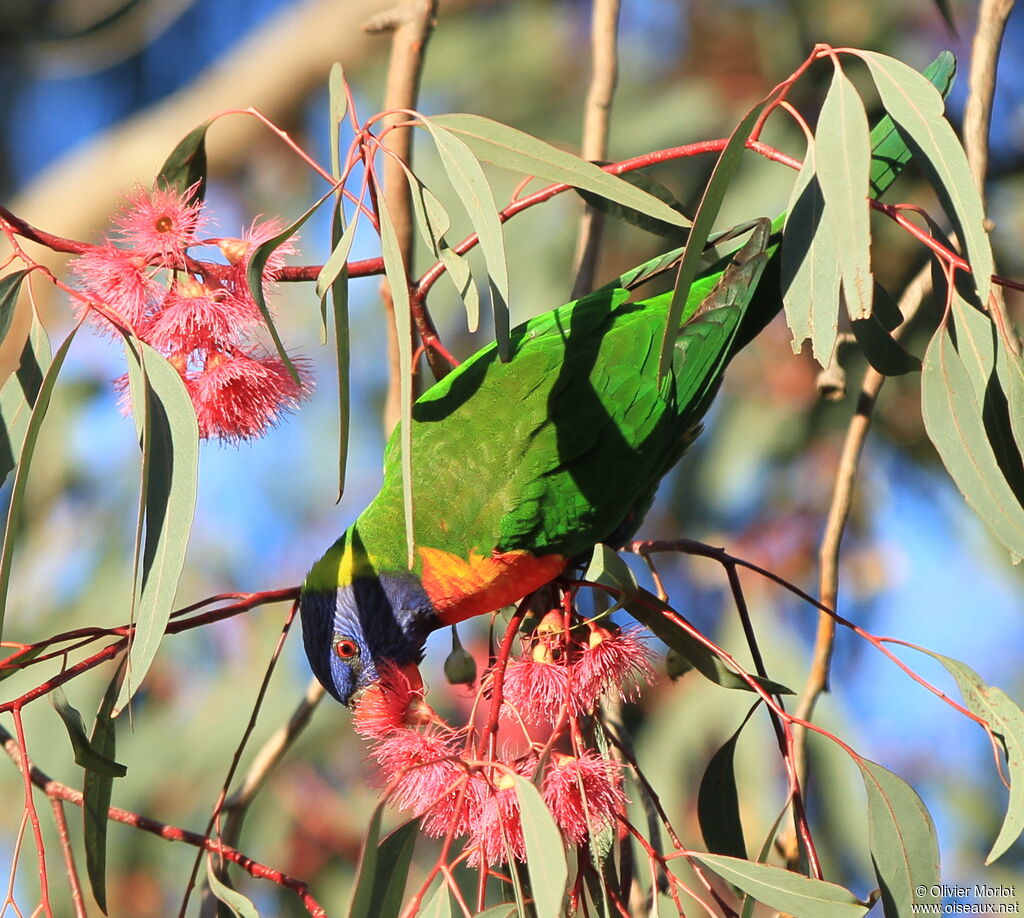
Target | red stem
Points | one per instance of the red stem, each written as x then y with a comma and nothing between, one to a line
57,791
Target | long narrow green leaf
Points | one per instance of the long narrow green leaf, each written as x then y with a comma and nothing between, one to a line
97,791
342,351
512,149
647,609
901,835
782,889
545,850
953,421
35,421
978,344
170,461
383,869
254,278
883,351
843,162
337,261
703,221
1006,720
434,222
86,754
338,108
718,802
239,905
439,905
394,271
186,164
917,107
10,287
18,396
1010,370
890,152
470,183
810,265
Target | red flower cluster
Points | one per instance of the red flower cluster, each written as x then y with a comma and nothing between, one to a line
206,325
569,671
429,769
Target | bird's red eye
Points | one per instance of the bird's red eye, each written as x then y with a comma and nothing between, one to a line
346,649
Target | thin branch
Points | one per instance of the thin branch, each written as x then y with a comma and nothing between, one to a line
981,81
272,751
410,23
77,899
58,791
604,75
242,743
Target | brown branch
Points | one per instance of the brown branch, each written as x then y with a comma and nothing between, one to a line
604,28
77,898
54,790
410,23
981,81
988,38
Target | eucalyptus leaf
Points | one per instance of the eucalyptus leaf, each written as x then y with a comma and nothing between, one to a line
254,278
509,148
17,495
1006,720
703,222
810,266
916,106
185,167
18,397
718,804
170,460
631,215
842,160
903,842
545,851
86,754
10,287
470,184
647,609
800,896
97,792
954,423
239,905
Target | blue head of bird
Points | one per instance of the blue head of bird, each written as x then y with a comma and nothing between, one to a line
350,629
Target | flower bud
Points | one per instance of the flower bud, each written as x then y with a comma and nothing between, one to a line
459,665
234,250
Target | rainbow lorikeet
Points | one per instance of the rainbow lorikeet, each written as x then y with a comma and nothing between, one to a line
521,467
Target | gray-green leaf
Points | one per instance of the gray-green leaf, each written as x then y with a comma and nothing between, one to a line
901,835
790,892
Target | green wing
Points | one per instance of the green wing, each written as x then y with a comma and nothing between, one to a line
565,444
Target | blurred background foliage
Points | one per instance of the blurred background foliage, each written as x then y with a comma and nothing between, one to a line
916,563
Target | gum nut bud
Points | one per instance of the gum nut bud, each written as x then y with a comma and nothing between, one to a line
189,287
234,250
460,667
419,713
541,653
676,664
597,635
552,623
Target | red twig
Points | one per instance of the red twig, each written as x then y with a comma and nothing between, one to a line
57,791
237,757
249,601
30,808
